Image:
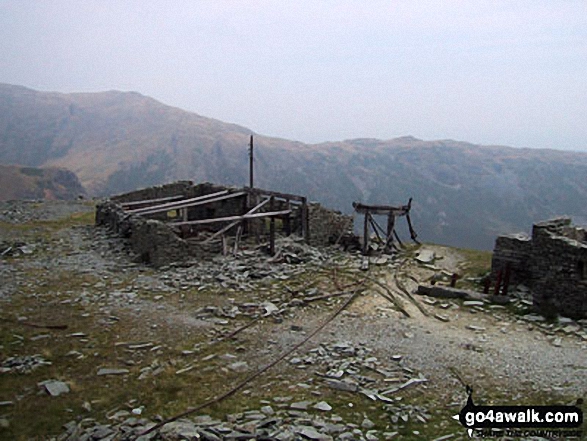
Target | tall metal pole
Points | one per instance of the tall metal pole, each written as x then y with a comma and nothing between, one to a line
251,163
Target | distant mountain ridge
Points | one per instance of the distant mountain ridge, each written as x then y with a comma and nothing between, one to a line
464,194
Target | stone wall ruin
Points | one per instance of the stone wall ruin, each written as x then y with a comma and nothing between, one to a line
194,224
552,263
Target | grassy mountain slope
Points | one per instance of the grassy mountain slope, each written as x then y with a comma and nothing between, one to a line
38,183
463,194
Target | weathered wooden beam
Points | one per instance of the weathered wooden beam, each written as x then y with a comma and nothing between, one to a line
287,220
381,209
231,218
149,201
222,231
276,194
272,227
258,207
390,227
366,233
237,238
413,234
173,205
375,225
193,203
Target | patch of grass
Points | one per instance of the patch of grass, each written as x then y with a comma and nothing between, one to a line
477,263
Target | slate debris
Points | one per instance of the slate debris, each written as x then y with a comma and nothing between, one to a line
282,425
55,387
23,365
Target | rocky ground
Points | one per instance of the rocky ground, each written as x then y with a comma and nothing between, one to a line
95,346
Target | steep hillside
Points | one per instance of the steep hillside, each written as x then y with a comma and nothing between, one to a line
38,183
463,194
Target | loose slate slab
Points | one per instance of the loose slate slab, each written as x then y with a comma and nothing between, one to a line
55,388
426,256
112,371
323,406
311,433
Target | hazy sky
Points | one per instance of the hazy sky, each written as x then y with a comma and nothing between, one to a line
490,72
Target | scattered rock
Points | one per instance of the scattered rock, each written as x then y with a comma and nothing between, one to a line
323,406
112,371
55,387
425,256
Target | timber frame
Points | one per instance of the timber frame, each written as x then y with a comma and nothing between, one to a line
246,210
390,233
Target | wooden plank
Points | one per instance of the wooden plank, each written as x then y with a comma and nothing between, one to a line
257,207
380,209
276,194
173,205
149,201
375,225
231,218
413,234
233,224
224,230
195,203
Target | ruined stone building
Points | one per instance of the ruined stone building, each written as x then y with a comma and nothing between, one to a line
552,263
172,222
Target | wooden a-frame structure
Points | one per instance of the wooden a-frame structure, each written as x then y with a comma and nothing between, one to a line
390,233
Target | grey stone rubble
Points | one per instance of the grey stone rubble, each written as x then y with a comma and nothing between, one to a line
521,303
275,421
24,364
352,367
18,212
54,387
16,248
344,366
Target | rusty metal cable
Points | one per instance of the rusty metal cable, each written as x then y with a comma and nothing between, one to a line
259,372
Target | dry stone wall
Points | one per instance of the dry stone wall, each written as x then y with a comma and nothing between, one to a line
327,225
552,263
158,244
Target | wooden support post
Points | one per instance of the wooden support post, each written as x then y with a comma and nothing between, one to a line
390,227
237,239
184,214
272,228
366,234
287,220
304,214
224,245
486,285
245,208
251,183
